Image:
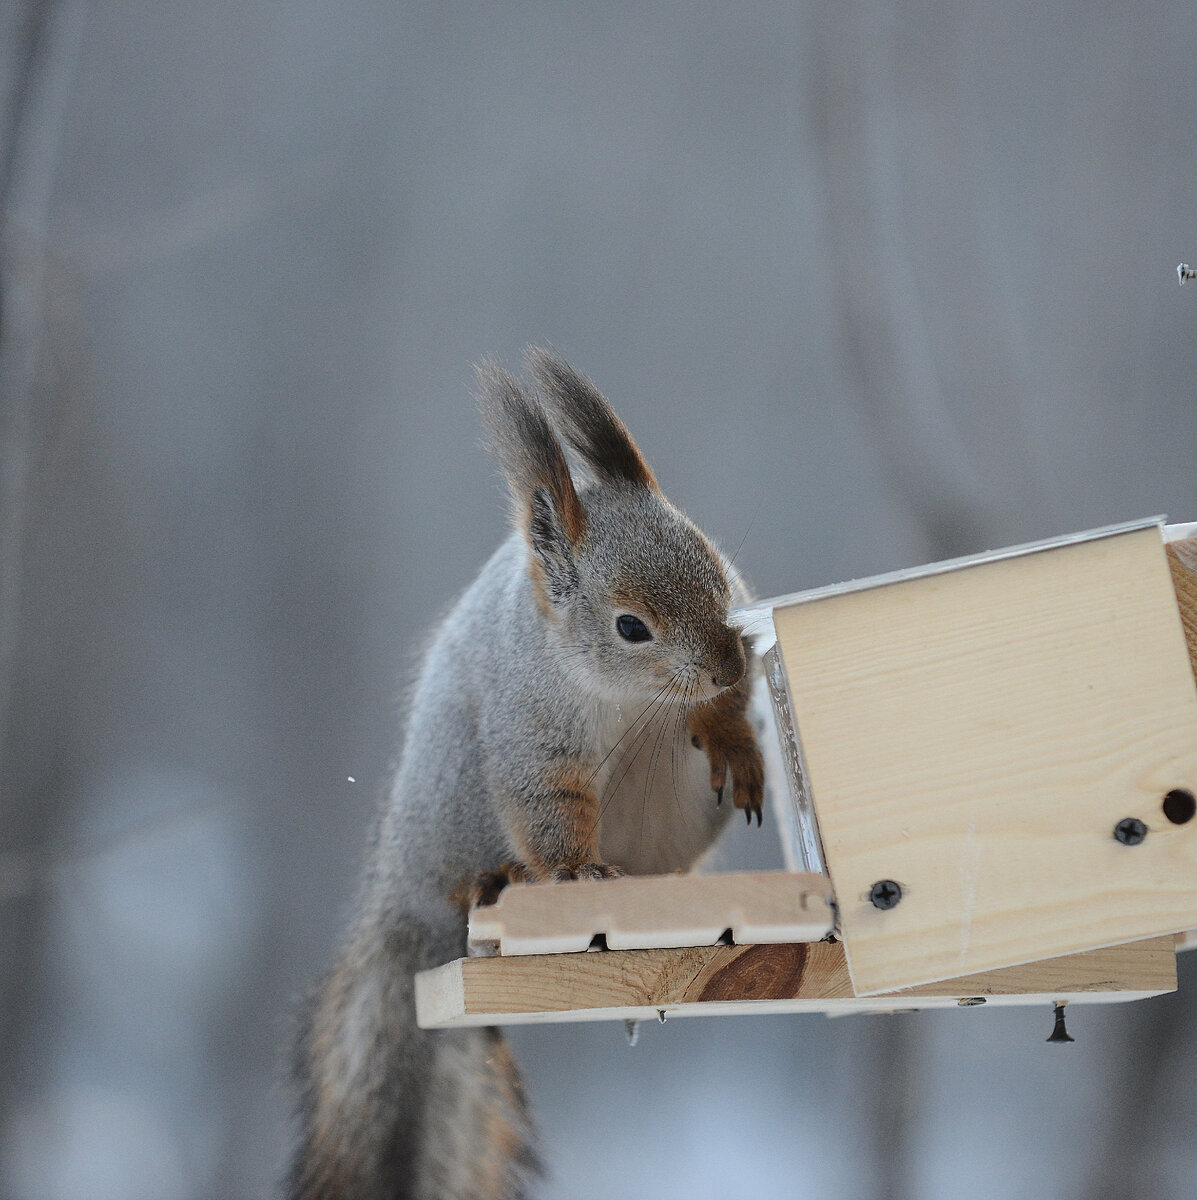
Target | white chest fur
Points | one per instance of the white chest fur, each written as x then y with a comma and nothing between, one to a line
659,813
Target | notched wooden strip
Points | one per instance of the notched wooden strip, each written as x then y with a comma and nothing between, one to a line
647,912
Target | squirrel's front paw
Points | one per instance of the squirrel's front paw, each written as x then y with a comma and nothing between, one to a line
589,870
731,748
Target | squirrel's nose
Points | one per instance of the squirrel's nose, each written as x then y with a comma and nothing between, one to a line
731,669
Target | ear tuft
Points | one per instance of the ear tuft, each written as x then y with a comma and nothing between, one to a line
526,448
588,422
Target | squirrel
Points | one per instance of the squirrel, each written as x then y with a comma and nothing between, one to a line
579,715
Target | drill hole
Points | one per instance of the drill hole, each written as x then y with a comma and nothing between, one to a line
1180,806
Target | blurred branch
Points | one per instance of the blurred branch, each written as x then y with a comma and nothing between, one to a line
25,872
895,1111
960,488
44,54
32,138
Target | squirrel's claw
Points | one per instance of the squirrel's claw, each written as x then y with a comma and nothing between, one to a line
737,755
588,870
748,779
722,730
718,762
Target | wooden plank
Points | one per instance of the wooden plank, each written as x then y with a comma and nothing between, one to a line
976,735
1182,563
637,912
728,980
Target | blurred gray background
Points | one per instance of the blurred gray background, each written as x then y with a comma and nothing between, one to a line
872,284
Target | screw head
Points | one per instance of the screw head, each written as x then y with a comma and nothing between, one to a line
1130,831
885,893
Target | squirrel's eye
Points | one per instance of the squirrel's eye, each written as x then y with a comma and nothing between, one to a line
633,629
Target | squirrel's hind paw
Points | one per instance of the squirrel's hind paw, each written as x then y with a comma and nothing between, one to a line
486,885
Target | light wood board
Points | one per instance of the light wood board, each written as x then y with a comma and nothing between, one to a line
636,912
976,735
1182,562
729,980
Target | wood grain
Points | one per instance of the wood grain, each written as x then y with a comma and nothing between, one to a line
638,912
1182,563
976,735
726,980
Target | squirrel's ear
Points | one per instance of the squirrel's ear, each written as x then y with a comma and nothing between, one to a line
552,553
588,421
546,503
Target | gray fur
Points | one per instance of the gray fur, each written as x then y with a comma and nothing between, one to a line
519,676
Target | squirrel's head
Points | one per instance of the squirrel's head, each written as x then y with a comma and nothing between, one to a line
636,592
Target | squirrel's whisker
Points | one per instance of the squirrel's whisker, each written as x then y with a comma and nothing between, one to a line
751,521
654,755
671,723
679,722
630,729
628,758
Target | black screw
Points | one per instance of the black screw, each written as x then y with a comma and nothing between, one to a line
1130,831
885,893
1060,1030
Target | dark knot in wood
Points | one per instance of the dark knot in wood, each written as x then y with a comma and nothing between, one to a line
759,973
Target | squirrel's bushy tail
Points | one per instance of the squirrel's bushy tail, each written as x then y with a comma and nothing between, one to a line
393,1112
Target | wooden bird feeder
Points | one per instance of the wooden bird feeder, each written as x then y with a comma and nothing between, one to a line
989,773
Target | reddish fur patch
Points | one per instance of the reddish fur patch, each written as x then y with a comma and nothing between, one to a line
573,515
571,779
539,591
725,733
559,826
501,1143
